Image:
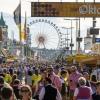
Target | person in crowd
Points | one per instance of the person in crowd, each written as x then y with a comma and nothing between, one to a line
7,93
64,84
96,72
93,83
73,80
87,77
83,92
41,83
16,88
25,92
49,92
20,72
11,71
56,81
13,78
7,76
96,95
28,77
1,82
57,70
36,78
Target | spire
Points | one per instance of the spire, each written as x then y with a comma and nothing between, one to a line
2,22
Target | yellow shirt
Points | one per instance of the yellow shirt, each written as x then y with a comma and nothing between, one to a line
36,79
8,78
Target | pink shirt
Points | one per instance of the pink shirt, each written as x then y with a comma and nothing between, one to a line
73,80
56,81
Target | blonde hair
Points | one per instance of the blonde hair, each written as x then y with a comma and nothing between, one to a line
82,81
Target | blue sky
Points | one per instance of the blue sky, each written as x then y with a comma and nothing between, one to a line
8,6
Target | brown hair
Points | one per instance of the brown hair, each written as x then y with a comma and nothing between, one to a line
28,88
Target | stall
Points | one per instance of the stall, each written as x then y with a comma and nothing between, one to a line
77,58
93,60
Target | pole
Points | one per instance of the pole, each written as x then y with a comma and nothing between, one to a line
0,40
20,21
94,25
21,46
67,43
25,37
12,46
0,47
78,33
71,38
79,37
66,39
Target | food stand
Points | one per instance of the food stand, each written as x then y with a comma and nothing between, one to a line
78,58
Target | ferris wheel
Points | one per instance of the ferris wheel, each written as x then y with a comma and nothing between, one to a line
45,34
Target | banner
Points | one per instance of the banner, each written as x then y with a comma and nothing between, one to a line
65,9
24,31
17,15
17,18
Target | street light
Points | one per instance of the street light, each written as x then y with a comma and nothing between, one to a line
78,38
71,44
66,38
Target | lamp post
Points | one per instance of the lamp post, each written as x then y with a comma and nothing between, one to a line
94,25
66,39
78,38
71,44
0,39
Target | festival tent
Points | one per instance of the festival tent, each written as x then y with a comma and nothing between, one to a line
77,58
94,60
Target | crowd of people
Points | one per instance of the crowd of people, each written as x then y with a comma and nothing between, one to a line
47,82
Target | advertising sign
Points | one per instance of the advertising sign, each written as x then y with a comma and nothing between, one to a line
87,43
65,9
97,40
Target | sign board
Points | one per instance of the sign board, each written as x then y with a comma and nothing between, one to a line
96,48
97,40
65,9
94,31
87,43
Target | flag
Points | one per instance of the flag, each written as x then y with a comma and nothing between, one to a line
17,14
24,31
17,18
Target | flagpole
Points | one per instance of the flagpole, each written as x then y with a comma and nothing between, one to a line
20,23
25,37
